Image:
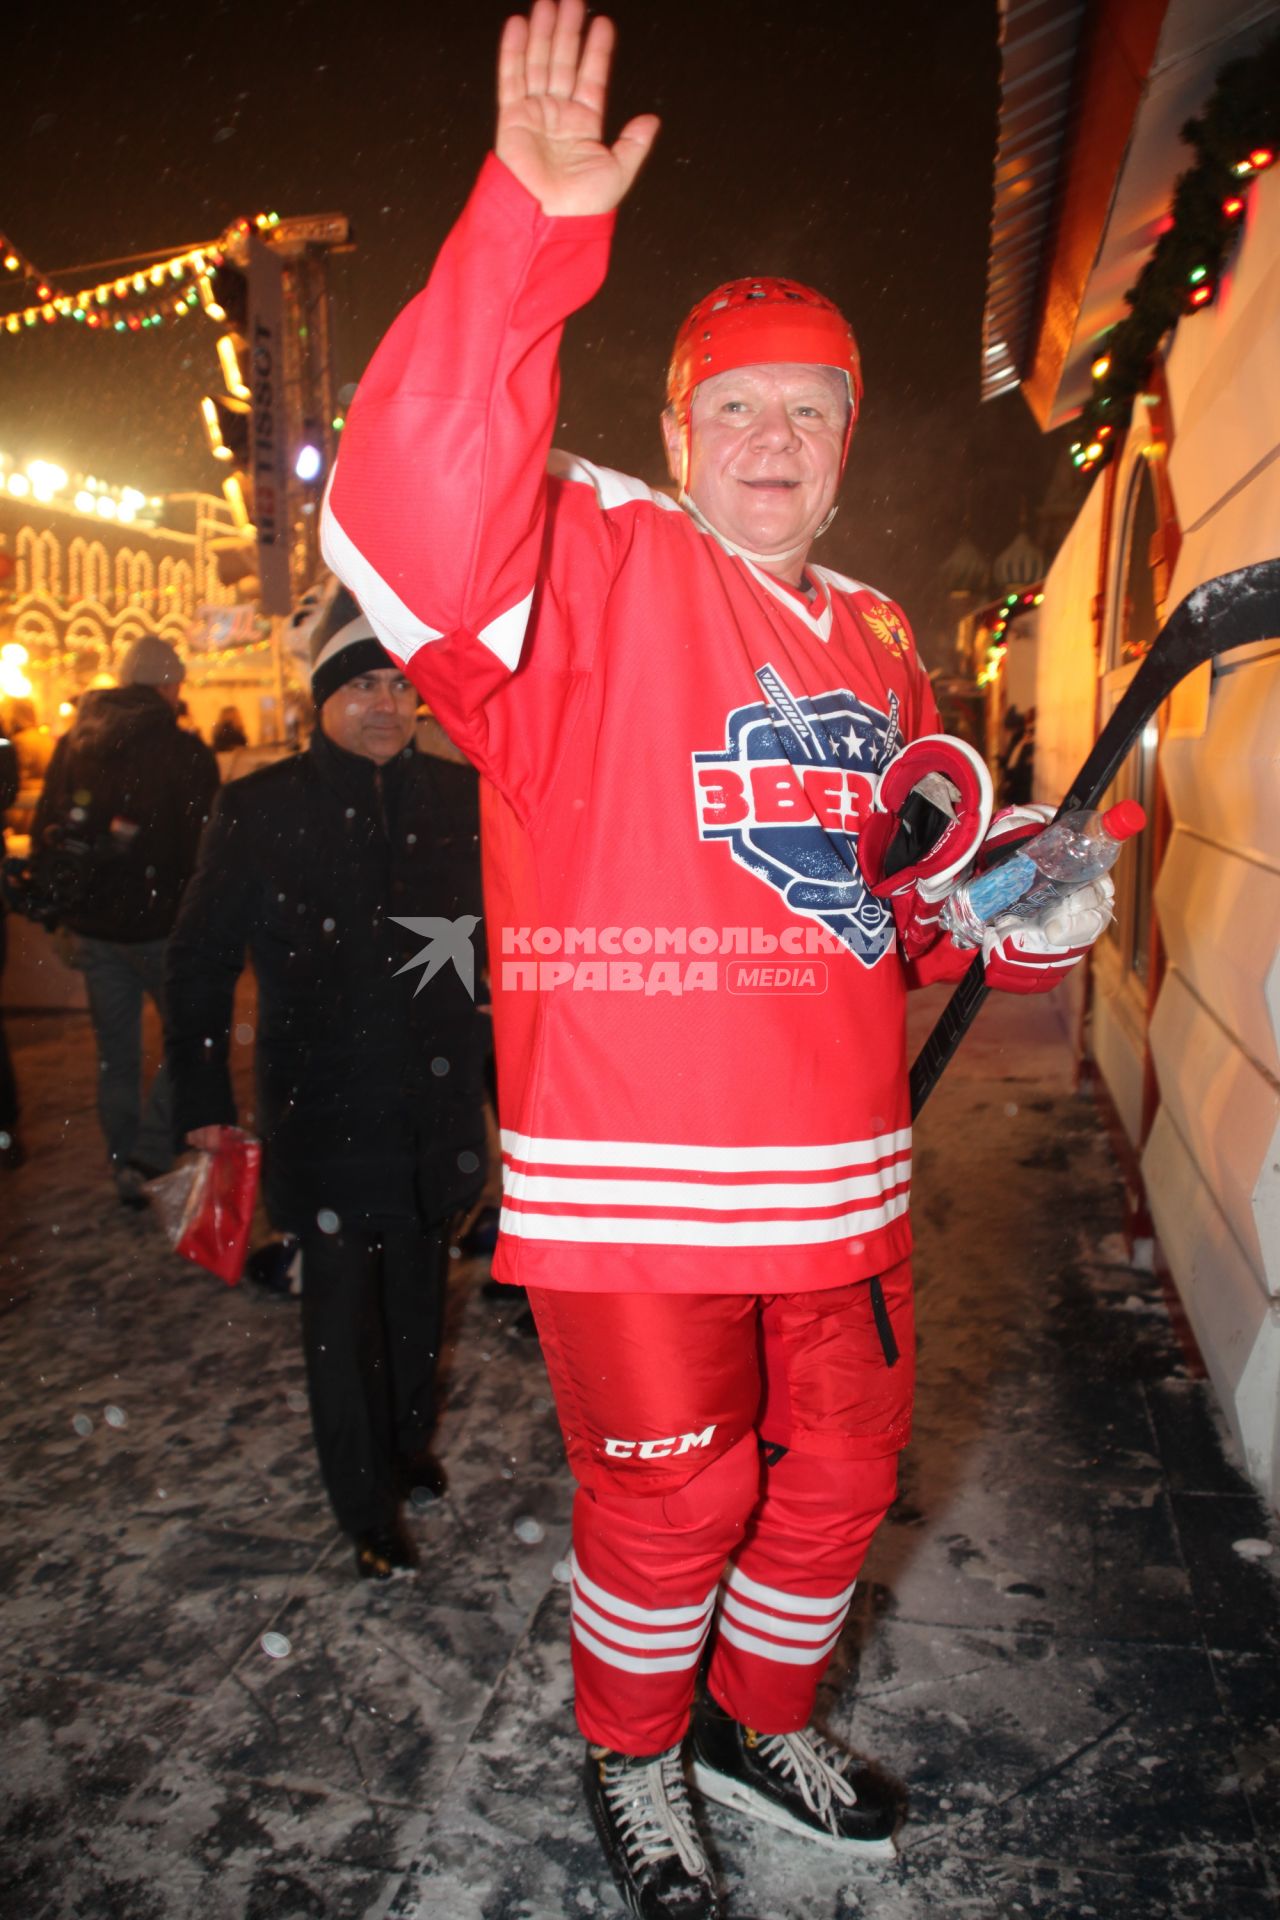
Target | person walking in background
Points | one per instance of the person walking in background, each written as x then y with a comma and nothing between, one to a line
124,801
11,1151
338,871
33,746
228,731
1012,726
1020,764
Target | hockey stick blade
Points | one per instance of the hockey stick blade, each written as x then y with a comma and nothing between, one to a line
1232,610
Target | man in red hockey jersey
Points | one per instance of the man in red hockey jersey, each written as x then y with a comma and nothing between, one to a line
699,995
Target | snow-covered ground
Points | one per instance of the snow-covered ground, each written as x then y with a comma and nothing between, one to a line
1065,1643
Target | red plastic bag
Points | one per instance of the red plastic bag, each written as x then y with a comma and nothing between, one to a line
207,1205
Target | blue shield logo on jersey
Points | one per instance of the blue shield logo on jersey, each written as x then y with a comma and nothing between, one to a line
789,794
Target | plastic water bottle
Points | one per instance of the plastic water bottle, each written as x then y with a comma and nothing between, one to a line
1072,851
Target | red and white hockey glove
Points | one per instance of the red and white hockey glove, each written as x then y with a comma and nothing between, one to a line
929,812
1024,956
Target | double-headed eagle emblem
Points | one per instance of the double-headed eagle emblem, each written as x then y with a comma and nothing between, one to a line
888,628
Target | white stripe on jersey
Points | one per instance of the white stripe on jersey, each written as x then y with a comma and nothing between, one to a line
612,489
774,1195
505,635
665,1156
400,630
666,1232
818,623
876,1172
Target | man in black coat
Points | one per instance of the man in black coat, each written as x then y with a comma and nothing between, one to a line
124,801
12,1154
324,867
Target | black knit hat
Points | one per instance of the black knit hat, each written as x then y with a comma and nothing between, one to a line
343,644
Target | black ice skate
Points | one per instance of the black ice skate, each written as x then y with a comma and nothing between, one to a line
799,1781
645,1823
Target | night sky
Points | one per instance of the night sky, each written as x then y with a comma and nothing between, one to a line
849,145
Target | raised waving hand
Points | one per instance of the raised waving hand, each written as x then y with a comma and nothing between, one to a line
552,81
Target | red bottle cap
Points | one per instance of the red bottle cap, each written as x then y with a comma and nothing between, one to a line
1125,819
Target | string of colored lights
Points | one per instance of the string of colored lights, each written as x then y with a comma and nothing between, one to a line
15,261
1197,259
131,302
994,623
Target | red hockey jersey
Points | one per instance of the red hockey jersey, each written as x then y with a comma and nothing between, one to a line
699,1007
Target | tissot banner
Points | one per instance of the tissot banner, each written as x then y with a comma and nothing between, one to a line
268,445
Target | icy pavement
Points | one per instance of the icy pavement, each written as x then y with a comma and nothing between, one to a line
1065,1641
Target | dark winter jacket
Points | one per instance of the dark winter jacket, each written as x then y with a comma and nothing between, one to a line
368,1077
8,794
8,781
136,790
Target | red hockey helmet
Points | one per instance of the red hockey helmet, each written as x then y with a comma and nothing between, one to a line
747,323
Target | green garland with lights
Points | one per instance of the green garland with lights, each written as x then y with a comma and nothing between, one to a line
993,621
1235,138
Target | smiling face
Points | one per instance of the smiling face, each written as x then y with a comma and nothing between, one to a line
766,446
372,715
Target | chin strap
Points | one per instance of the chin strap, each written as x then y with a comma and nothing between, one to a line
765,560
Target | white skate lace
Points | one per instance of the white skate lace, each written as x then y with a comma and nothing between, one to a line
651,1807
800,1757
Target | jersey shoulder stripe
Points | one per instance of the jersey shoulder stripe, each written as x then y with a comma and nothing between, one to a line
841,583
611,489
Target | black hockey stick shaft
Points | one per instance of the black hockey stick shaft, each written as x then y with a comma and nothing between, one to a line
1231,610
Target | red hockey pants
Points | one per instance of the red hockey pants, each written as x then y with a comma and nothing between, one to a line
690,1521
